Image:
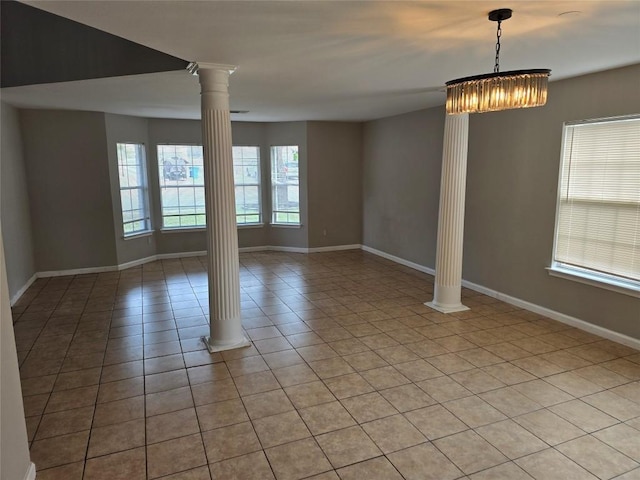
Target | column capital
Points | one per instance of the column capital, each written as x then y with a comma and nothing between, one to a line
195,67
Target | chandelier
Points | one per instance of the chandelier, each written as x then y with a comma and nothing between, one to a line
498,90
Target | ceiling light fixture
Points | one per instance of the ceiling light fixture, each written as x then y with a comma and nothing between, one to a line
498,90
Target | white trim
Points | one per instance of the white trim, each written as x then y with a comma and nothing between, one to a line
242,226
77,271
184,229
31,473
286,225
253,249
133,236
334,248
168,256
532,307
401,261
626,288
16,296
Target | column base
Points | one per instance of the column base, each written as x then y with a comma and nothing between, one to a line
447,308
217,347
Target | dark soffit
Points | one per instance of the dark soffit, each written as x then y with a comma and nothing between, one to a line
40,47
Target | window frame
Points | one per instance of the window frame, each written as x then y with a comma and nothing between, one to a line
576,273
273,185
143,188
178,228
258,184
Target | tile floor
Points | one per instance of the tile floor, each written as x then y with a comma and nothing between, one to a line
350,376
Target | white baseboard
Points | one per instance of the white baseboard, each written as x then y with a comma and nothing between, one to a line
16,296
532,307
401,261
276,248
31,473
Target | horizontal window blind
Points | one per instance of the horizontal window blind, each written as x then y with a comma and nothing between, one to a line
598,221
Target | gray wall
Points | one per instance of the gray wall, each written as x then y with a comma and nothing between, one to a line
125,129
334,183
513,165
69,190
512,182
14,203
401,184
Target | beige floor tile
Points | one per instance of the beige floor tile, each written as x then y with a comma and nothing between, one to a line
630,391
331,367
348,385
538,366
72,471
508,373
119,411
168,401
418,370
256,383
316,352
407,397
443,389
424,462
122,371
211,392
208,373
506,471
511,439
128,465
614,405
117,437
450,363
266,404
161,382
435,421
474,411
367,407
77,379
623,438
120,389
309,394
246,365
285,358
326,417
566,360
231,441
271,345
477,381
552,465
624,367
426,348
398,354
479,357
199,473
294,375
299,459
384,377
175,456
393,433
55,451
38,385
71,399
366,360
549,427
542,392
573,384
510,402
221,414
279,429
347,446
597,457
253,466
375,469
469,451
601,376
172,425
67,421
583,415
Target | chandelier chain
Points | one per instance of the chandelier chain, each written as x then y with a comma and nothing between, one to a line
496,68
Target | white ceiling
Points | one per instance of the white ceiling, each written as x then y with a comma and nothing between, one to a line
335,60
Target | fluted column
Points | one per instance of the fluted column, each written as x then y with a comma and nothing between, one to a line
448,282
222,238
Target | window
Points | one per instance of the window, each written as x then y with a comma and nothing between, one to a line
285,185
180,168
598,218
246,174
133,188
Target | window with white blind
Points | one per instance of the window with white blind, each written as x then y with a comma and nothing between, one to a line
246,174
132,176
597,236
285,185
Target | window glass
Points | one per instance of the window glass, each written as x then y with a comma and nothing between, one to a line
133,188
285,185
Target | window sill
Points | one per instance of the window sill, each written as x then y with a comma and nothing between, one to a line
133,236
183,230
242,226
620,286
286,225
